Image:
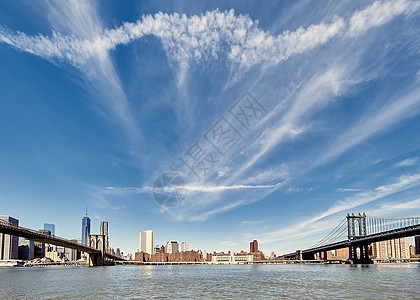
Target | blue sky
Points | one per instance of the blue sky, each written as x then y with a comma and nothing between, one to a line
281,117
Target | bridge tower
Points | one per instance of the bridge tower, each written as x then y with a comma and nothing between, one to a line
96,241
356,226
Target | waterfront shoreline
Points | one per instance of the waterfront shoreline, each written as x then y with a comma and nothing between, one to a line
282,262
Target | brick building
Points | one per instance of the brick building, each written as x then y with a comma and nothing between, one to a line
141,256
396,248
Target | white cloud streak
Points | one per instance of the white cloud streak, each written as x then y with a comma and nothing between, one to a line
306,227
252,222
370,124
216,35
79,46
190,188
406,162
378,14
202,37
389,208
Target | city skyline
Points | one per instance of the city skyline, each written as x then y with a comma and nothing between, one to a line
123,109
386,248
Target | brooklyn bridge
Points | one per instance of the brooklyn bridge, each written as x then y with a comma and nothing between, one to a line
97,254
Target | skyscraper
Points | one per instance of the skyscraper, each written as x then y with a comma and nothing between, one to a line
253,246
50,227
73,254
185,247
417,243
103,229
85,229
147,241
172,247
9,244
26,249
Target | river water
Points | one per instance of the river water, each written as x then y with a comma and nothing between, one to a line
381,281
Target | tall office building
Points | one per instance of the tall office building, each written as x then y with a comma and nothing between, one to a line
147,241
157,249
253,246
74,255
185,247
50,227
85,229
26,249
396,248
103,229
172,247
417,244
9,244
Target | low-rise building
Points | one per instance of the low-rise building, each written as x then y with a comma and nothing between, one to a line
232,258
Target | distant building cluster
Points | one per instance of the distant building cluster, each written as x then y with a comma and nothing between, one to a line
14,247
171,252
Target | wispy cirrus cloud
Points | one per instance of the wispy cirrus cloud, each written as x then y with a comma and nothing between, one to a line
189,188
348,190
219,35
379,13
184,38
228,243
406,162
318,222
245,222
74,40
402,183
403,106
390,208
201,37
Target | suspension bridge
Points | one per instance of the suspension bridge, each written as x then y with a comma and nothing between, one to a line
95,249
357,232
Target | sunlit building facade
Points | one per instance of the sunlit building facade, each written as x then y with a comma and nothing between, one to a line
147,242
172,247
9,244
185,247
396,248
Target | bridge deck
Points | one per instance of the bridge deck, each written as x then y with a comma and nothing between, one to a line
367,239
8,228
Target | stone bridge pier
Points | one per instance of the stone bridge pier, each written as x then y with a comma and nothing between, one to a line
362,258
356,226
96,241
304,256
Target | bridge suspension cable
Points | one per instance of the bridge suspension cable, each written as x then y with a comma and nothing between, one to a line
377,225
334,234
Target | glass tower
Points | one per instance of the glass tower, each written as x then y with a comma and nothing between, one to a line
50,227
103,229
85,229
